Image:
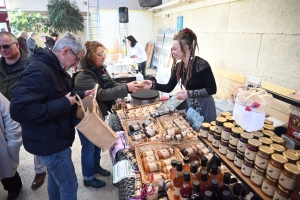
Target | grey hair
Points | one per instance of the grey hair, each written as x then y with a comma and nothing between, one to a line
32,34
10,35
69,40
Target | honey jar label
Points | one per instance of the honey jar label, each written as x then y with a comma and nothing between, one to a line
267,189
153,167
203,133
167,161
150,159
238,162
149,153
246,170
225,135
216,143
241,146
261,163
218,129
177,191
233,141
250,155
230,155
190,151
210,137
287,183
222,149
165,153
255,178
278,197
273,172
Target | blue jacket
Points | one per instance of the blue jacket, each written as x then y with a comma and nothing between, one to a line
39,104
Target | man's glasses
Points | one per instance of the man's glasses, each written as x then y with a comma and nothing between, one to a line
6,46
77,59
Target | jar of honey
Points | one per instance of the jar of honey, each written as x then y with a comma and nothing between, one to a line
229,118
292,157
289,177
149,159
152,167
257,176
226,130
277,140
263,157
213,123
257,134
281,194
219,124
223,146
216,140
247,167
278,148
252,149
275,165
167,162
148,153
204,129
235,135
224,114
269,185
242,143
238,159
187,151
265,141
268,133
269,127
165,153
231,151
210,135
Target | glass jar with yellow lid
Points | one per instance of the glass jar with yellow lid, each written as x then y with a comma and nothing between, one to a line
278,148
265,141
269,127
238,159
219,124
204,129
292,150
211,132
213,123
268,133
235,135
242,143
234,123
278,140
257,134
252,149
229,118
263,157
267,121
292,157
226,130
289,177
275,165
281,194
247,167
231,151
257,176
224,114
269,186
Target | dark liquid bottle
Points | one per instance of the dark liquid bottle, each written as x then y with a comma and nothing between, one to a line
172,173
213,173
178,181
203,183
186,166
220,175
237,190
207,195
226,195
196,191
214,189
194,174
226,182
186,190
203,165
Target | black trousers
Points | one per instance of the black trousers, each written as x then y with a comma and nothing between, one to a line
142,68
12,184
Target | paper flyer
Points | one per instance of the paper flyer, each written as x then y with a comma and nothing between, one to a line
122,169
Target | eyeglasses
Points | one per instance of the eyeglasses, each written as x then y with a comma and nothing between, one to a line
101,54
6,46
77,59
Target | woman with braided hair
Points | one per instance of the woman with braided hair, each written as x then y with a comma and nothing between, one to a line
194,73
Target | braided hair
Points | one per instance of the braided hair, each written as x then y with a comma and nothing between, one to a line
189,38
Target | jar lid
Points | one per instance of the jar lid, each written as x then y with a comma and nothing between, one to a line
292,150
224,141
279,158
232,147
290,155
277,148
265,140
266,149
298,152
228,125
241,153
234,123
260,171
277,139
212,128
229,118
237,130
213,123
298,164
292,168
286,192
248,161
224,114
221,119
246,135
269,127
205,125
217,134
254,142
268,133
257,134
271,180
270,122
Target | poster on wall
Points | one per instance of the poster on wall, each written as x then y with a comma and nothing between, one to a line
179,23
157,54
166,53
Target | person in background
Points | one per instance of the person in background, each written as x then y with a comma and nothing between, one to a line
92,71
10,143
13,62
194,73
54,36
22,41
31,44
49,42
43,103
138,53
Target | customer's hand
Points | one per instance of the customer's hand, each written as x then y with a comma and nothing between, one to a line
133,87
71,98
147,84
90,92
182,95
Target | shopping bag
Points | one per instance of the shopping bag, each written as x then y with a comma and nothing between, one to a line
249,109
194,119
94,128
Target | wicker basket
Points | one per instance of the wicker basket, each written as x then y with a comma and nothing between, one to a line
187,144
152,146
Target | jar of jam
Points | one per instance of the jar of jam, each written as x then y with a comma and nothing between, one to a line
231,151
216,140
292,157
235,135
270,122
242,143
252,149
201,151
263,157
210,135
269,127
276,165
277,148
257,134
247,167
257,176
265,141
289,177
278,140
226,131
269,185
223,146
225,114
219,124
213,123
229,118
187,151
204,129
281,194
268,133
238,159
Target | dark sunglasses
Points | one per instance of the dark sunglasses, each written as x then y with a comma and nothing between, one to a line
6,46
78,59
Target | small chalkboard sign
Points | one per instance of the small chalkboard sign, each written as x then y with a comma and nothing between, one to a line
194,119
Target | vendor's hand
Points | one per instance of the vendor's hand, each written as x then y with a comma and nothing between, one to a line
71,98
182,95
133,87
89,93
147,84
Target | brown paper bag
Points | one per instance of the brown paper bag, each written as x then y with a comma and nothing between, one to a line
87,102
94,128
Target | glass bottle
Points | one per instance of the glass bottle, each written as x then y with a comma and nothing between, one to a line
207,195
172,173
196,191
178,180
237,189
165,153
186,189
203,165
214,189
194,174
226,195
213,174
226,183
203,183
186,166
